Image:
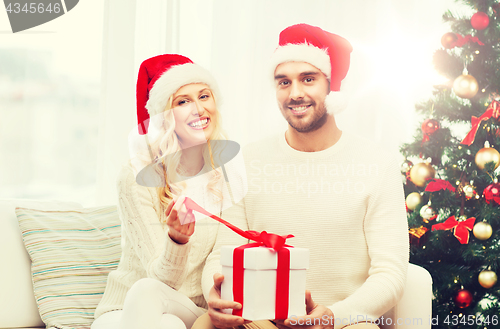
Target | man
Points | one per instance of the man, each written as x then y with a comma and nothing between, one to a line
339,195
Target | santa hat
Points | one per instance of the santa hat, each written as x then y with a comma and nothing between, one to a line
159,78
326,51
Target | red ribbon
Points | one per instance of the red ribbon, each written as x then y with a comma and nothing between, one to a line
467,39
460,229
439,184
270,240
493,111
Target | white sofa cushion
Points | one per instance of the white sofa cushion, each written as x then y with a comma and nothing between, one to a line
72,252
17,303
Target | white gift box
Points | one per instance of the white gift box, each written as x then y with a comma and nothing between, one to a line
259,287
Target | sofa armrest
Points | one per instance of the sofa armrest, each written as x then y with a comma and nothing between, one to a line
414,310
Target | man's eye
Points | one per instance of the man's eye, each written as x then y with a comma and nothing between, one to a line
284,83
309,79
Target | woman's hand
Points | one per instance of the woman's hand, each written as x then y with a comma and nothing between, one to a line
177,214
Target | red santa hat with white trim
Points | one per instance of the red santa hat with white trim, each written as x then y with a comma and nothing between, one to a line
160,77
328,52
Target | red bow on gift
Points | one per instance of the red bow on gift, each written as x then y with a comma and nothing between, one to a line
493,111
460,229
270,240
439,184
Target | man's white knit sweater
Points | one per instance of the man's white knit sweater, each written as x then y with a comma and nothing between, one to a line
147,251
345,204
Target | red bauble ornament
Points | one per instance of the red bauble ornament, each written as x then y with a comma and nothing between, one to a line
430,126
479,20
463,298
492,193
448,40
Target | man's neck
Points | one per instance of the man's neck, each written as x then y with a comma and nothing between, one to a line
314,141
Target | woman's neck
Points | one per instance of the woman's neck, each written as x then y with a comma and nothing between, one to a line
192,160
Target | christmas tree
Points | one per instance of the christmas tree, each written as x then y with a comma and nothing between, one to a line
451,181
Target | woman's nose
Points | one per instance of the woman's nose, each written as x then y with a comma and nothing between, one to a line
198,109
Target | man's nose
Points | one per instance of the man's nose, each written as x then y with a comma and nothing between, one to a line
296,91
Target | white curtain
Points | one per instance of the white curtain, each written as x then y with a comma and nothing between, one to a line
391,67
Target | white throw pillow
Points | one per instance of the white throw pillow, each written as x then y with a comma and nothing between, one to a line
17,302
72,253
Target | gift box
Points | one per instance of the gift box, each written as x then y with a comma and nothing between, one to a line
263,290
418,236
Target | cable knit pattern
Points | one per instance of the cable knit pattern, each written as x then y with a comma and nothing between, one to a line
345,204
148,251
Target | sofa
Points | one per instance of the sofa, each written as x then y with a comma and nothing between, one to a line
62,253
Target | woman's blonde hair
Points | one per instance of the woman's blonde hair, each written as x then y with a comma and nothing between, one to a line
166,149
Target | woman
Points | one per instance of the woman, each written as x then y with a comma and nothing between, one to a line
158,281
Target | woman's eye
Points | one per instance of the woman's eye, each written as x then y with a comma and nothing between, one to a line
182,102
204,96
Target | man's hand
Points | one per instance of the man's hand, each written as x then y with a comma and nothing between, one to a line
216,304
322,314
177,214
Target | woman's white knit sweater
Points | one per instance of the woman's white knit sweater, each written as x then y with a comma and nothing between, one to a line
148,251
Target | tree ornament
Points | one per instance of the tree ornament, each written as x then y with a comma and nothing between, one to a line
482,231
465,86
413,200
463,298
429,127
469,191
420,172
479,20
487,278
406,166
449,39
487,154
493,111
436,184
460,228
418,235
426,212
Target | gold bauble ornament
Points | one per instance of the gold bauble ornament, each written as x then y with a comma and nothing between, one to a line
487,279
465,86
413,200
420,172
482,231
485,155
